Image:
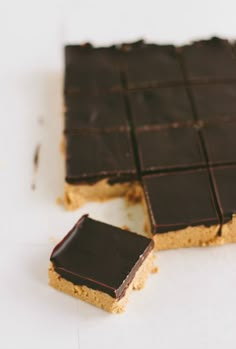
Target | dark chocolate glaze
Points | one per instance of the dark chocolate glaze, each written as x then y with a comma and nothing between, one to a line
148,65
98,154
91,70
100,256
220,142
215,102
89,112
179,200
160,106
224,180
169,149
208,60
176,200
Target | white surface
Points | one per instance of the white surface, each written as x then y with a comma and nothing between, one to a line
191,302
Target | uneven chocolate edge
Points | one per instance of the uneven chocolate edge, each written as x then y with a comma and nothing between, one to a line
83,281
208,80
120,48
203,145
112,178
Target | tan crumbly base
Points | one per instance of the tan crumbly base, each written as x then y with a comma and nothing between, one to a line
229,231
99,298
197,236
188,237
76,196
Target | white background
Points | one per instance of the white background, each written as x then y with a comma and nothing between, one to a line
191,302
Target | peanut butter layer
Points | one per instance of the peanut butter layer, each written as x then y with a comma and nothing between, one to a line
76,195
99,298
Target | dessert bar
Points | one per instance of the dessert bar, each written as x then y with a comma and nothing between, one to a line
98,165
182,209
169,149
101,264
155,123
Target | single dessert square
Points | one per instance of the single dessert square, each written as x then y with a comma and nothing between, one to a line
92,112
90,70
147,65
182,208
99,155
220,142
101,264
215,102
224,181
170,148
160,106
209,60
99,166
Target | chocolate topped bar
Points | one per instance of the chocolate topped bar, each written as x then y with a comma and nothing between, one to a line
209,60
139,109
180,200
215,102
220,142
160,106
97,155
225,179
170,148
90,112
147,65
100,256
90,70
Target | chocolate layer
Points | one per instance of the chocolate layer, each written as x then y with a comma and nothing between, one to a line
161,106
100,256
208,60
224,180
147,65
179,200
215,102
169,148
105,111
100,155
91,70
220,141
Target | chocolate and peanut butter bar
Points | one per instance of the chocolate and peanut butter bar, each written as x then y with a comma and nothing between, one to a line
101,264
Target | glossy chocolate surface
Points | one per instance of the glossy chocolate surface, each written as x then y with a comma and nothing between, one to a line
179,200
153,94
160,106
97,155
90,70
215,102
100,256
225,179
220,142
169,148
148,65
88,112
208,60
